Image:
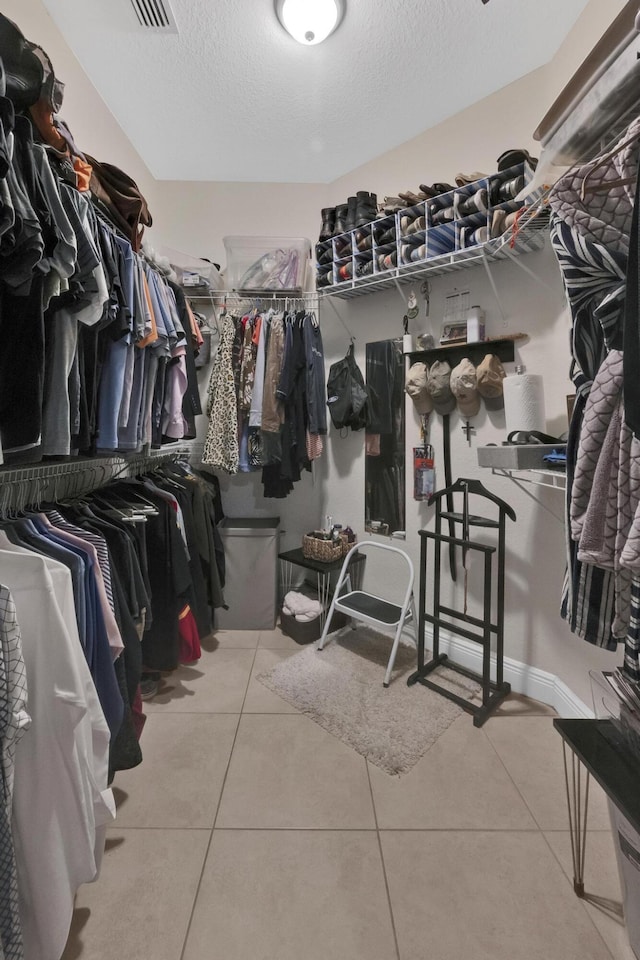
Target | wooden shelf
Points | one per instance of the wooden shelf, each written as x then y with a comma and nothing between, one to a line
502,347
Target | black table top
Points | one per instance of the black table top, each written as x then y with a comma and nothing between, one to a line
602,749
296,556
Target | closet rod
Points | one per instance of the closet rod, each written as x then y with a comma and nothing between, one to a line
24,486
44,471
263,296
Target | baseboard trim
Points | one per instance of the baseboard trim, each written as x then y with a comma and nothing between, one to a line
529,681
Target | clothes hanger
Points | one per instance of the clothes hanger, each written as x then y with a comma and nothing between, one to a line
125,511
113,496
140,503
466,486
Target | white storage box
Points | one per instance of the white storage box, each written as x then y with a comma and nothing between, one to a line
267,264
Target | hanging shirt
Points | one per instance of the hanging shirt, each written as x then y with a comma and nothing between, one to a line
61,798
221,445
14,721
255,415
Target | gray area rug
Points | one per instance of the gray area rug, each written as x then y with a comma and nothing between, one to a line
341,689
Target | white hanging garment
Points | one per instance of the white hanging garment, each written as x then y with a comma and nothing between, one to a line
61,797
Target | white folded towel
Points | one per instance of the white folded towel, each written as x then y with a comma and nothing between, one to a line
301,607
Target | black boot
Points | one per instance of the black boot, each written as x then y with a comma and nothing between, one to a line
328,223
366,209
340,225
352,204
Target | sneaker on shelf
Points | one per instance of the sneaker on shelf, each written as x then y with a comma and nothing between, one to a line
436,189
364,269
411,199
462,179
392,205
445,215
510,158
511,188
498,223
387,236
476,203
417,225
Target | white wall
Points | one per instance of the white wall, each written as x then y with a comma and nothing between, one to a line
194,217
535,633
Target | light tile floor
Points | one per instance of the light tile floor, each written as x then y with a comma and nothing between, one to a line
249,833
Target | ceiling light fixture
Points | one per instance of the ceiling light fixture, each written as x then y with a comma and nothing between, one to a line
310,21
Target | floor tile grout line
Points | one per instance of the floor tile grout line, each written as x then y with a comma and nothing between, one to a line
384,867
224,783
542,834
381,830
501,830
294,829
582,900
220,713
516,787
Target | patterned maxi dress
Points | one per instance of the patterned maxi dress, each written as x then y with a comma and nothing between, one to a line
221,448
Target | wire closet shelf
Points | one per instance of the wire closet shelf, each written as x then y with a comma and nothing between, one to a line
530,236
27,486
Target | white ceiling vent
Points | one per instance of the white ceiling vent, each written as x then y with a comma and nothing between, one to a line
155,15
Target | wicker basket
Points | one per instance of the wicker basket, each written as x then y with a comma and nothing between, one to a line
326,551
346,543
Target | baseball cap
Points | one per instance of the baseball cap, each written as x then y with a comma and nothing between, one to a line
464,387
438,378
416,387
490,374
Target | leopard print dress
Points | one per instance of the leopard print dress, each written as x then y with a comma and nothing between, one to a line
221,446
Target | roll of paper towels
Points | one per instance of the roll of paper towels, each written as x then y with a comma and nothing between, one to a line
524,402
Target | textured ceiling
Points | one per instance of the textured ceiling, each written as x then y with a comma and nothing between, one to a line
232,97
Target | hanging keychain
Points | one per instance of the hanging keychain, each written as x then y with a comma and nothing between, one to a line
424,474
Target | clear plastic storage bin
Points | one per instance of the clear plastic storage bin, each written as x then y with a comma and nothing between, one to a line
267,264
194,275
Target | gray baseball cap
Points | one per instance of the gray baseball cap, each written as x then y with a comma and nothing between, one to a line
438,379
490,374
416,387
464,387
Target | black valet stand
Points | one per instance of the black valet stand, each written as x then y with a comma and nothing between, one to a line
493,691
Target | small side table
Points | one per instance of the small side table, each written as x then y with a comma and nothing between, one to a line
597,749
295,558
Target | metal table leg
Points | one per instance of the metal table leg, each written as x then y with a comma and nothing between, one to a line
577,785
324,595
286,571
